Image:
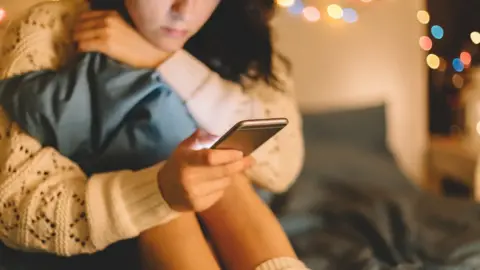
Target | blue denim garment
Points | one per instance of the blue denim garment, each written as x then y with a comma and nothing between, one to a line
99,113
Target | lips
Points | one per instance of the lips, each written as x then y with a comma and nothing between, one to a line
175,33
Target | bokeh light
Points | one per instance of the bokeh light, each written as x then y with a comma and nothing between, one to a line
285,3
425,43
478,128
296,8
350,15
433,61
466,58
3,14
437,31
335,11
457,65
458,81
366,1
475,37
423,17
311,14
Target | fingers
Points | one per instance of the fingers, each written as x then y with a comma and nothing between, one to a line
88,35
93,45
96,14
207,174
89,25
94,24
211,157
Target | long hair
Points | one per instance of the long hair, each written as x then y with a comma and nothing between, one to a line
236,42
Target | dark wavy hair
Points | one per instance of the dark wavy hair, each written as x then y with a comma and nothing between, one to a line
236,42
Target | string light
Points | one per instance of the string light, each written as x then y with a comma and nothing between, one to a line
285,3
457,81
335,11
311,14
458,65
466,58
425,43
423,17
433,61
437,31
475,37
296,8
350,15
3,14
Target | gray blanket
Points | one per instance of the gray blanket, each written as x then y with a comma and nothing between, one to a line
354,209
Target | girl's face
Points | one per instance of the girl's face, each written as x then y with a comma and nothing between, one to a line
169,24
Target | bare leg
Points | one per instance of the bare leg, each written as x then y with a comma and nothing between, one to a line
244,230
180,244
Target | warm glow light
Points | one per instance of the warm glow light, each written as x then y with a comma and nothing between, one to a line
335,11
311,14
433,61
475,36
366,1
458,65
466,58
285,3
3,13
423,17
425,43
457,81
478,128
350,15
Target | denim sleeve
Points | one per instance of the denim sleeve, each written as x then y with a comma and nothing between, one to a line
90,109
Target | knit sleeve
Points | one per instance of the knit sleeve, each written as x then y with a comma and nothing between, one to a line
47,205
280,160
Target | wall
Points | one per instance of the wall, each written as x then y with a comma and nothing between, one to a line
376,59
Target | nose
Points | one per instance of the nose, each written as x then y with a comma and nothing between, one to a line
182,7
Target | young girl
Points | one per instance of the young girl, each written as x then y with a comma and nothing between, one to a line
27,102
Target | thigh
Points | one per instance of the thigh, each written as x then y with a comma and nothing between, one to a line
179,244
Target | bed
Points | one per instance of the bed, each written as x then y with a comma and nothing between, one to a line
353,208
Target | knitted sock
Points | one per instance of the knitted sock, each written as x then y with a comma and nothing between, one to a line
282,263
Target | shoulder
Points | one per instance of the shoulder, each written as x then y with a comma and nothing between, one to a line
40,37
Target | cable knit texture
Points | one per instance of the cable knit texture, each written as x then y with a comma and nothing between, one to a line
46,203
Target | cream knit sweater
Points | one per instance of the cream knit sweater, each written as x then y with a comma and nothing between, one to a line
46,202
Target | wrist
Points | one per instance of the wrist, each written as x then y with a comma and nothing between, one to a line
156,58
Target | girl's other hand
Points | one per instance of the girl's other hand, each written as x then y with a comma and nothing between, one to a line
107,32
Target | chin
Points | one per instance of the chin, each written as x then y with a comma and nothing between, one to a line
170,46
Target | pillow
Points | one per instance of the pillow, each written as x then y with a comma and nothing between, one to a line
364,127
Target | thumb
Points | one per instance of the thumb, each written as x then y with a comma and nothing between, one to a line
191,141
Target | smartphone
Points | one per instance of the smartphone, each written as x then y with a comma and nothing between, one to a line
248,135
